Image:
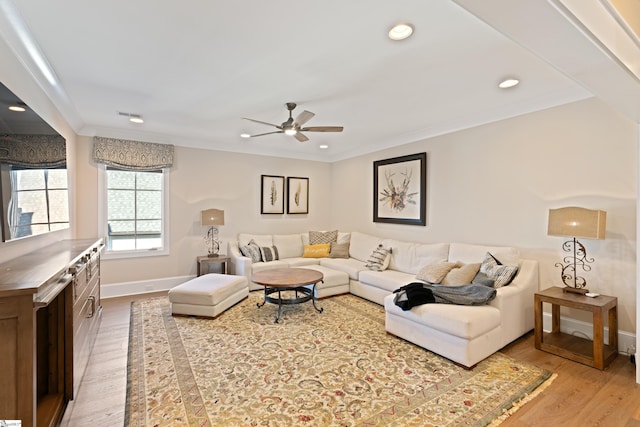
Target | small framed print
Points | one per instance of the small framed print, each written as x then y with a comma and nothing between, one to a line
297,195
272,195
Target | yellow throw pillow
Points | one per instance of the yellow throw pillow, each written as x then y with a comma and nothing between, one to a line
321,250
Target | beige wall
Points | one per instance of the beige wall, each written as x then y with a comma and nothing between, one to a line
494,184
203,179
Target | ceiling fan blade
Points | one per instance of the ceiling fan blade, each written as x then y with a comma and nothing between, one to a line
268,133
264,123
303,117
323,129
300,137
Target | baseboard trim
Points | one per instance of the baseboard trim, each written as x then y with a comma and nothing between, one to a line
585,330
141,287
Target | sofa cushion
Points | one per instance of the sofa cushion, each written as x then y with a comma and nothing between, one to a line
318,237
339,250
410,257
320,250
259,239
389,280
300,261
469,253
289,245
260,266
351,266
457,320
435,272
361,245
461,274
501,274
379,259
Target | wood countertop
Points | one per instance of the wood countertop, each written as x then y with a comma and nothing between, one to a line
29,273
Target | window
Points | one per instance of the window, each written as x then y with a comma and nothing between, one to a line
135,211
38,201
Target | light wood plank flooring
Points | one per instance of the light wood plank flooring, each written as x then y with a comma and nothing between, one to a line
579,396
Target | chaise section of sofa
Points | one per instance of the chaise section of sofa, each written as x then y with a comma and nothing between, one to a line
464,334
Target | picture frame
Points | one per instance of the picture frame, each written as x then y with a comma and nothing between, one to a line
297,195
399,190
272,194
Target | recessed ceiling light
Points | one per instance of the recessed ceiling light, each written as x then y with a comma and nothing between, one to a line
324,146
401,31
507,83
245,135
20,108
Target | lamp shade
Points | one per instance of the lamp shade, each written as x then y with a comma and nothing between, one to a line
212,217
577,222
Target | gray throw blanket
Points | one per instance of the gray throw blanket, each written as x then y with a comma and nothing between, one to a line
418,293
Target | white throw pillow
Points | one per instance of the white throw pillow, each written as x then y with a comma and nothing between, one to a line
379,259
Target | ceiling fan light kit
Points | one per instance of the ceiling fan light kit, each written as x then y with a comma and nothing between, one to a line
293,127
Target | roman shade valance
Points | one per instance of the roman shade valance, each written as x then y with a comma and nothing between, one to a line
132,155
33,150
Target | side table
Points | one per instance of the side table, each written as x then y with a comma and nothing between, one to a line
592,353
206,261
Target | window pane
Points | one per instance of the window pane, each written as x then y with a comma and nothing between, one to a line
121,179
149,181
34,204
30,179
149,205
121,204
149,242
58,202
150,227
122,227
57,178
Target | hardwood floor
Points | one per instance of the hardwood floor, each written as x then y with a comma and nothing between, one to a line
579,396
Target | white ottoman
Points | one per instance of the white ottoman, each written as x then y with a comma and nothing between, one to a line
334,282
208,295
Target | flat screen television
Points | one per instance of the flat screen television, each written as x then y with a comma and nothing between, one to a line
33,172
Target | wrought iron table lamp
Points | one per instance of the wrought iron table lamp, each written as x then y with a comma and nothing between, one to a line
212,218
576,222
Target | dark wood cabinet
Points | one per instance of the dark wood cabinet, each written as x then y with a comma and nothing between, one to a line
49,315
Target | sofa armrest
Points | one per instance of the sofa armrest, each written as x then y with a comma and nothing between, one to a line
240,264
515,302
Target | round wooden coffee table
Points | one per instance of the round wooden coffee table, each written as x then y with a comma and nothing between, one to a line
277,280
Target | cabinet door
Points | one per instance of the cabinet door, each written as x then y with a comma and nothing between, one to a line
17,391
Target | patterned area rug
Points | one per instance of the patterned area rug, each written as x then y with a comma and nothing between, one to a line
336,368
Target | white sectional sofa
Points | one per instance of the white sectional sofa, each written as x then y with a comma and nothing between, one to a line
464,334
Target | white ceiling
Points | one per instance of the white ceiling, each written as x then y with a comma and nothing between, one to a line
194,69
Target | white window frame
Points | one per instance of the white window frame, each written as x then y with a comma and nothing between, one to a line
103,224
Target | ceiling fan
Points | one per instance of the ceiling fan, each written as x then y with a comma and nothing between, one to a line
294,127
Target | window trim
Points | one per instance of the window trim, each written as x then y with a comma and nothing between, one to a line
103,226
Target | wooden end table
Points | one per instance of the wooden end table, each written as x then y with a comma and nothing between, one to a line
277,280
206,260
592,353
